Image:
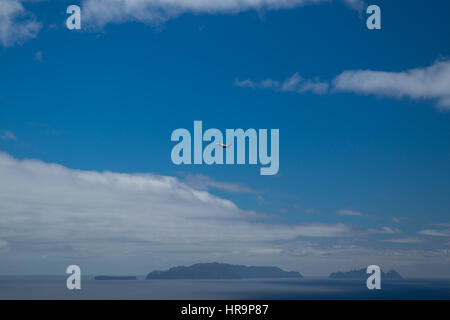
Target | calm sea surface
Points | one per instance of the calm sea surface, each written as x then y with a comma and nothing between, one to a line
55,288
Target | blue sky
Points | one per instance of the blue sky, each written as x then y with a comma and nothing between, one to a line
371,161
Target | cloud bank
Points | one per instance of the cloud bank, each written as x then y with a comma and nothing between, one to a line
49,206
53,216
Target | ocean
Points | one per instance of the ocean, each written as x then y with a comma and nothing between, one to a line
15,287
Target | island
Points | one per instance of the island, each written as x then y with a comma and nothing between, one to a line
115,278
221,271
361,274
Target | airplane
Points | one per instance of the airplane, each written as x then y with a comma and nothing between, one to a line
224,146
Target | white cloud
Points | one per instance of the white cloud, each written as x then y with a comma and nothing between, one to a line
431,82
396,220
102,12
441,224
16,24
435,233
295,83
8,135
38,56
406,240
384,230
350,213
266,250
245,83
202,182
45,207
355,4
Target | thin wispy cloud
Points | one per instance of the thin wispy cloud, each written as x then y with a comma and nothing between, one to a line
441,224
424,83
3,245
350,213
16,23
355,4
202,182
8,135
406,240
384,230
295,83
435,233
306,210
38,56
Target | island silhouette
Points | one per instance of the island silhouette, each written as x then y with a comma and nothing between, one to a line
217,270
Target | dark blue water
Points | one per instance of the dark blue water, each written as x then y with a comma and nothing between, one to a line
55,288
